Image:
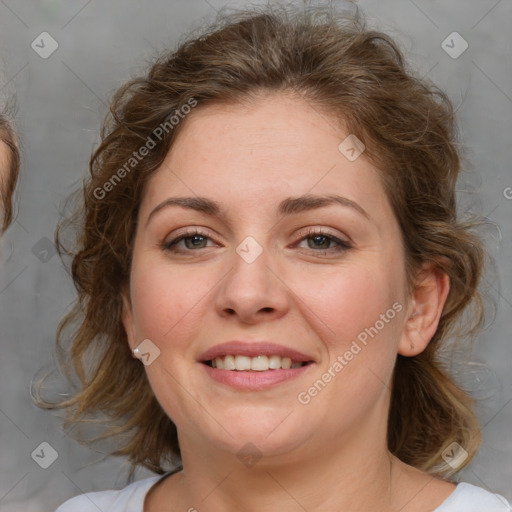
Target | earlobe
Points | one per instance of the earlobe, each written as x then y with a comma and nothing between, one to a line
426,307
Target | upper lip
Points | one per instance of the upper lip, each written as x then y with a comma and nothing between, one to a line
253,349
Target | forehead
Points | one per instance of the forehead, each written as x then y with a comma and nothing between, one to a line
269,127
259,151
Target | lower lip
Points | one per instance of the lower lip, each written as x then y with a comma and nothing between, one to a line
253,380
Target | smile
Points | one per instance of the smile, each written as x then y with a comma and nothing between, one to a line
259,363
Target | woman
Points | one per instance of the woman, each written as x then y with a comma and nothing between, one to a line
268,262
9,169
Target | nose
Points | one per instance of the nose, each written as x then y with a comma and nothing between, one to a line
252,290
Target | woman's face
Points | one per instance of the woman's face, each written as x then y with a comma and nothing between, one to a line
268,267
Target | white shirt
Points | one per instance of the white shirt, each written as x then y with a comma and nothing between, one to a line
465,498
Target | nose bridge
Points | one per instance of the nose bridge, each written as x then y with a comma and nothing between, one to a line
251,288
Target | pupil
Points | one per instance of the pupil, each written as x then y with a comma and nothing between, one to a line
194,239
318,238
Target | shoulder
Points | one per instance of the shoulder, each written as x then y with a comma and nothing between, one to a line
471,498
129,499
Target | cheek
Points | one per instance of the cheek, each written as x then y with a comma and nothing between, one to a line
351,299
358,314
167,301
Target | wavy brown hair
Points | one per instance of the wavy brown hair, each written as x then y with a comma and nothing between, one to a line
358,75
9,176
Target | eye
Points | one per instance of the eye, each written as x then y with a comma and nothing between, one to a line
193,239
319,240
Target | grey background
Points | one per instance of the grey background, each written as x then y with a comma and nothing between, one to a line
62,100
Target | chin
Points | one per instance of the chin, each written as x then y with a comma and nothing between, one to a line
266,435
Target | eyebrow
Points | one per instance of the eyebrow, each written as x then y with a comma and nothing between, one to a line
289,206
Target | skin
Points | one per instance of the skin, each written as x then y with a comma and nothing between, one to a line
330,454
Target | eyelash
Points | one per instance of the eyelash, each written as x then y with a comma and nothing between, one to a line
312,232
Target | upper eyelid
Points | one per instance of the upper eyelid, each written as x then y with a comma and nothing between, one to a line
223,223
191,231
324,231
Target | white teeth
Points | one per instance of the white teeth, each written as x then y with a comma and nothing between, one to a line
275,362
242,363
258,364
229,363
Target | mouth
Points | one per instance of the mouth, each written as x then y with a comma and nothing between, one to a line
254,373
260,363
254,366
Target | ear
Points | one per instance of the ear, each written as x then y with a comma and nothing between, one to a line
426,306
127,319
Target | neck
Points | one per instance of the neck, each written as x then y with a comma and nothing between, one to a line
355,477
